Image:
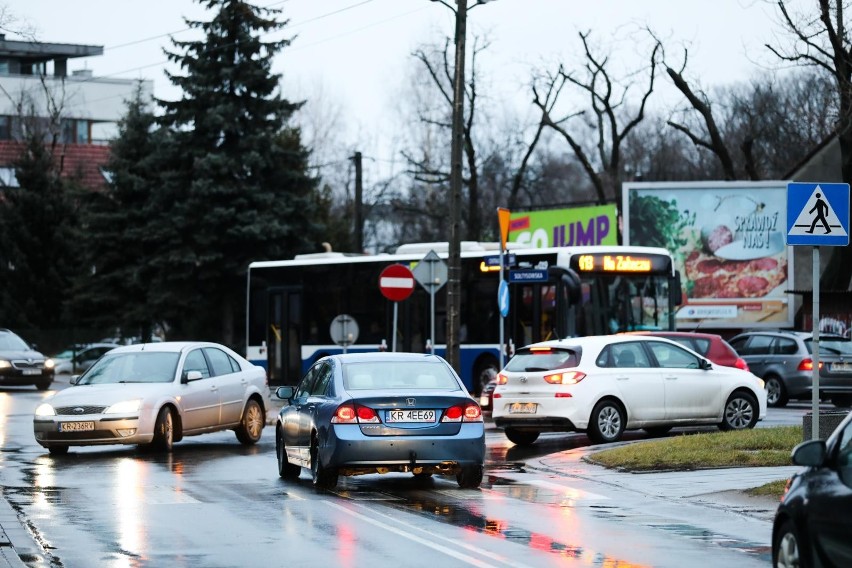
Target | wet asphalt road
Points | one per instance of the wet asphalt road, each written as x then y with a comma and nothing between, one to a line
215,503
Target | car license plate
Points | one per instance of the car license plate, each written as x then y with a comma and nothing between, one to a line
76,426
841,367
523,408
411,416
32,371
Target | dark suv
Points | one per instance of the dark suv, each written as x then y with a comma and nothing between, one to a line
783,359
21,365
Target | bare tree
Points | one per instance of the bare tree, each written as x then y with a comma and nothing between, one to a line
823,42
608,119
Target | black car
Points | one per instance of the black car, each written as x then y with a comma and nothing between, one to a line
813,523
21,364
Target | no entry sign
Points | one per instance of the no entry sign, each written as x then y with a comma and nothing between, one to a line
396,282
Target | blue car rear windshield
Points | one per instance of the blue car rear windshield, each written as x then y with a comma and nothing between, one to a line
396,375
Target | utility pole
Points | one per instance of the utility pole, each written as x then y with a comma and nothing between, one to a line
358,240
453,354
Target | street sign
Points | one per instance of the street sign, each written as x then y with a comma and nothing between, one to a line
431,272
396,282
344,330
509,259
503,298
528,275
818,214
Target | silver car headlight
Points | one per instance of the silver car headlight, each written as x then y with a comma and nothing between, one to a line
49,363
124,407
4,364
45,409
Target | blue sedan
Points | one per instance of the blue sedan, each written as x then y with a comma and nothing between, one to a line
361,413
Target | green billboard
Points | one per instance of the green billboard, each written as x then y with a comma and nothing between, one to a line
578,226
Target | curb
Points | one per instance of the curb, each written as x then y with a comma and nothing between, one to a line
11,532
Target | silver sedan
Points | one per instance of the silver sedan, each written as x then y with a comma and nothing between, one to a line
155,394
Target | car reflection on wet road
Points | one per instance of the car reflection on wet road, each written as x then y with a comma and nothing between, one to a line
211,503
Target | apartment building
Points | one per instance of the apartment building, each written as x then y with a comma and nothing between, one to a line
76,108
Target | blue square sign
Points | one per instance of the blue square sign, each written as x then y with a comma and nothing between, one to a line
818,214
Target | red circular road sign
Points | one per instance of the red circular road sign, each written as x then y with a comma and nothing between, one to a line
396,282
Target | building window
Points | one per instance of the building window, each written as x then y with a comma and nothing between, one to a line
5,127
8,178
75,131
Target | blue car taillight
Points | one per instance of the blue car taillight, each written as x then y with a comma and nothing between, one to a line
466,413
354,414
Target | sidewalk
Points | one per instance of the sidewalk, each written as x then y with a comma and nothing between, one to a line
721,489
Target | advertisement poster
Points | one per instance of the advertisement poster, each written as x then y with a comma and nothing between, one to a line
578,226
728,242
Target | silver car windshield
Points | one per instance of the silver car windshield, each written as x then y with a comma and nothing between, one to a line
395,375
136,367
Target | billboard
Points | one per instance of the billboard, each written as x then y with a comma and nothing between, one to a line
728,240
578,226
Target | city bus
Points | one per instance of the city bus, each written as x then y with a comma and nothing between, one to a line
553,293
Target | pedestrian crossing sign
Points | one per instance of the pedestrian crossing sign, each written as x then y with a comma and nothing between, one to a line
818,214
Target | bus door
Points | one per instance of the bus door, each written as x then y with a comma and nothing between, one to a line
283,336
534,305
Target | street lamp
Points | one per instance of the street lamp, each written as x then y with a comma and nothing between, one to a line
455,204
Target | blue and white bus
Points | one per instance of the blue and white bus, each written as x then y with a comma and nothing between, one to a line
578,291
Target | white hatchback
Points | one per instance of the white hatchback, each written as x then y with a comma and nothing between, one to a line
604,385
155,394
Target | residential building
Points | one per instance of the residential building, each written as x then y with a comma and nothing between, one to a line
77,111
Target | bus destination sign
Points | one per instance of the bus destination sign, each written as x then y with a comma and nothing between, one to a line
629,263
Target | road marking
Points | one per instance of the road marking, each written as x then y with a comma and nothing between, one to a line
473,561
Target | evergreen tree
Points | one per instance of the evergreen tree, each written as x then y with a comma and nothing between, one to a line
111,290
37,235
234,175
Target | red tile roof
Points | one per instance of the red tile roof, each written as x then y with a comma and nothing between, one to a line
79,161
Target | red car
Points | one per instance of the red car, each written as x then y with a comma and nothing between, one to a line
710,345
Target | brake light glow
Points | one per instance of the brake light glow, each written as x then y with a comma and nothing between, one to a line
502,379
345,414
741,364
354,414
808,365
541,350
366,414
467,413
569,378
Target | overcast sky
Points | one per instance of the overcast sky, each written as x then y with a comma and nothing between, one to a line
359,50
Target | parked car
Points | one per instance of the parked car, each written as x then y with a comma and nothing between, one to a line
604,385
709,345
78,359
783,359
362,413
21,364
814,519
155,394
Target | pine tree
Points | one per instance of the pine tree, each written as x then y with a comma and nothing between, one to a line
235,174
37,235
111,289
